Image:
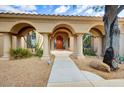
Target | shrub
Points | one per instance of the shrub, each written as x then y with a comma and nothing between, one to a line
20,53
39,52
89,52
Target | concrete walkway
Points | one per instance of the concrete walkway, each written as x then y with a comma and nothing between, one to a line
65,73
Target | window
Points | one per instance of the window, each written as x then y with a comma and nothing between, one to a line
31,40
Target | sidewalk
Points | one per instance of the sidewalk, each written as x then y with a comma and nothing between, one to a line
66,74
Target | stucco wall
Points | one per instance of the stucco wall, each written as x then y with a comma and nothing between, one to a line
47,25
121,49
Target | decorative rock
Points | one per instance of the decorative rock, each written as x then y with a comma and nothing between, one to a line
49,62
100,66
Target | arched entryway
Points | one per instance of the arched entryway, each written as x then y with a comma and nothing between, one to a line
24,35
94,40
15,38
62,38
97,39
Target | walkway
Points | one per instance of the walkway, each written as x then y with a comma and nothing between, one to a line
66,73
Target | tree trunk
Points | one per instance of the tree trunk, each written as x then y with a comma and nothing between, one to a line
111,28
116,38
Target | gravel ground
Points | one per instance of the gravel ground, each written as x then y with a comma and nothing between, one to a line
30,72
84,65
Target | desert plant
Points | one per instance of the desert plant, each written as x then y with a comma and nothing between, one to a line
87,45
89,52
87,40
39,52
20,53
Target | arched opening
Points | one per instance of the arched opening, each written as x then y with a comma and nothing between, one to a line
61,38
26,36
64,26
21,28
94,41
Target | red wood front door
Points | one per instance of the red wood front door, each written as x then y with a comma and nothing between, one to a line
59,42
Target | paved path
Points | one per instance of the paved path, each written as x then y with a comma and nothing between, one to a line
66,74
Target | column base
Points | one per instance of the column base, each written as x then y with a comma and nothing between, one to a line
78,56
45,57
5,58
74,55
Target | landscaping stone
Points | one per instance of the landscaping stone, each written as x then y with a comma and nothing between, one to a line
100,66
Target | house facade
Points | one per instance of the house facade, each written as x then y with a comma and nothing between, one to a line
53,32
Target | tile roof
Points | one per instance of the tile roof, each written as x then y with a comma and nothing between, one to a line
31,14
52,15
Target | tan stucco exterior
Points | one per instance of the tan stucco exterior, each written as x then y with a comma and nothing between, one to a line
14,26
46,24
1,44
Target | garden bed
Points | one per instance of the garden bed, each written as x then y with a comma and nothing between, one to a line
30,72
84,65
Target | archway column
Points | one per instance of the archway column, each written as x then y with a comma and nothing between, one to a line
52,43
80,46
75,45
1,44
18,42
49,44
46,51
99,46
22,42
71,43
6,46
14,42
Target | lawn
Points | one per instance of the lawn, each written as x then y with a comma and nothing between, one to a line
30,72
84,65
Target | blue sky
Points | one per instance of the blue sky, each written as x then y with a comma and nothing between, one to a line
81,10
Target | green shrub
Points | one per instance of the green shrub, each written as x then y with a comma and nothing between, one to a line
20,53
39,52
89,52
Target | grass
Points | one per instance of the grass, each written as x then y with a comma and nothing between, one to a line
84,65
30,72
